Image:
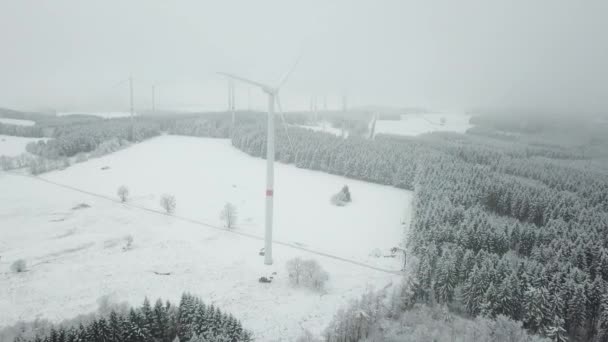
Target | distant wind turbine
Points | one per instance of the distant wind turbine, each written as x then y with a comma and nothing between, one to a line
273,97
231,104
132,108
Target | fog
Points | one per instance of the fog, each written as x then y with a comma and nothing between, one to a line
545,55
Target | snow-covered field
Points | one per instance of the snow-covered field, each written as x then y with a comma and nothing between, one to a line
416,124
79,251
105,115
13,146
17,122
326,127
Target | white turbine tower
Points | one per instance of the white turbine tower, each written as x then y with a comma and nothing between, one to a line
273,96
231,105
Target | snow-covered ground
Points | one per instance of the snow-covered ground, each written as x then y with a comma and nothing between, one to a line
79,252
416,124
324,126
17,122
13,146
105,115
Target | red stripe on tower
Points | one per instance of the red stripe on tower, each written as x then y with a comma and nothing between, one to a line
269,192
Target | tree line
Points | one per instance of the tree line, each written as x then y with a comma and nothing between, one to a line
191,320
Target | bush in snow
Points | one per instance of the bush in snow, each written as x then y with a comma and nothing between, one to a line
228,215
123,193
167,202
81,157
106,147
19,266
307,273
41,165
307,336
341,198
294,269
128,243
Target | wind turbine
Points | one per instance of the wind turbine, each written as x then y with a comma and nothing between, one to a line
132,108
273,97
231,105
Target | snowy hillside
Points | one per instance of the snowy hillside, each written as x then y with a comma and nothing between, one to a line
17,122
13,146
416,124
79,250
105,115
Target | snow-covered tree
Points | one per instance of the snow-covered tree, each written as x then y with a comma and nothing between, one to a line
229,215
19,266
168,203
123,193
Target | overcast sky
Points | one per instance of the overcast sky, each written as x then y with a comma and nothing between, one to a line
445,55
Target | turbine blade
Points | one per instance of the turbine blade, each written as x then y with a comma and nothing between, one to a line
278,100
288,73
245,80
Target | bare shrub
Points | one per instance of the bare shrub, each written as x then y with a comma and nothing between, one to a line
341,198
307,273
128,243
229,215
314,276
19,266
167,202
123,193
294,269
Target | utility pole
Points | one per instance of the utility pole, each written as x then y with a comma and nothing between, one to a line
132,108
249,99
153,99
314,109
232,105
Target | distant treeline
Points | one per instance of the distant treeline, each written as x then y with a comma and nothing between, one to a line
70,140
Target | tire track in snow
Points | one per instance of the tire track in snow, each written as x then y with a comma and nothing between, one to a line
201,223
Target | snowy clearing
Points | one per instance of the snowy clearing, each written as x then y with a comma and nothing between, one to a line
79,251
204,174
13,146
416,124
105,115
17,122
324,126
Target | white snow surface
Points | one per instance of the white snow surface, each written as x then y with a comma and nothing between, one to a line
416,124
105,115
324,126
14,146
17,122
76,256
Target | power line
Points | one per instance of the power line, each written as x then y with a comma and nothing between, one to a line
201,223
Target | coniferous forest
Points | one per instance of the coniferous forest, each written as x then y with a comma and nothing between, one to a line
191,320
499,227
